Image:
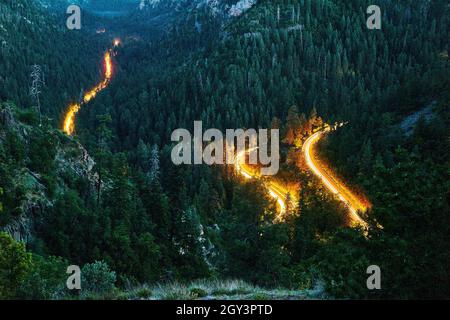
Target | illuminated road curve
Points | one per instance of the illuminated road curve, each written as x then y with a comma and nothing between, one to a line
69,119
342,193
276,191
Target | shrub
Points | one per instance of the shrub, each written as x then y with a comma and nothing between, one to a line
144,293
260,296
28,116
45,279
198,292
123,296
97,279
15,263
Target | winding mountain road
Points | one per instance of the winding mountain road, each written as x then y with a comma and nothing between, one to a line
73,109
353,203
280,194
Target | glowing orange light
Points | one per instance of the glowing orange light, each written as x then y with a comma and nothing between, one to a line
116,42
108,66
353,203
276,191
69,120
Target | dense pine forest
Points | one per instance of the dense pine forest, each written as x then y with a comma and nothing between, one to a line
110,200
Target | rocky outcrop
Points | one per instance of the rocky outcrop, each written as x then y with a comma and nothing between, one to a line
74,158
6,116
71,160
409,123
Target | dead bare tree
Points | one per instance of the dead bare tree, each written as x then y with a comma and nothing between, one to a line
37,81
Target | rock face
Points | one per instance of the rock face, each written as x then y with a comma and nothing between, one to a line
6,116
77,160
215,7
90,5
71,161
408,124
241,6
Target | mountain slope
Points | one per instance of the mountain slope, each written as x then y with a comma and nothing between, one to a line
93,6
36,163
27,32
273,70
281,64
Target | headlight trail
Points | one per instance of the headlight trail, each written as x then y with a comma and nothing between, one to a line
277,192
73,109
353,203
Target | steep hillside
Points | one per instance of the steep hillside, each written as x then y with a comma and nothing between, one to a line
268,65
190,15
128,215
29,35
279,65
117,7
38,164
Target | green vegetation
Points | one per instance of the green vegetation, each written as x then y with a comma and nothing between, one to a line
29,36
111,201
216,289
45,280
199,293
144,293
98,279
15,263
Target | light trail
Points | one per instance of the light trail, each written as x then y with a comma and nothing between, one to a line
353,203
277,192
73,109
69,120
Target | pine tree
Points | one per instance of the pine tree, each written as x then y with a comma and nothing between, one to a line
154,171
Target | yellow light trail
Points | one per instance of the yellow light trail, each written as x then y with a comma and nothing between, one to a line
69,120
73,109
277,192
353,203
